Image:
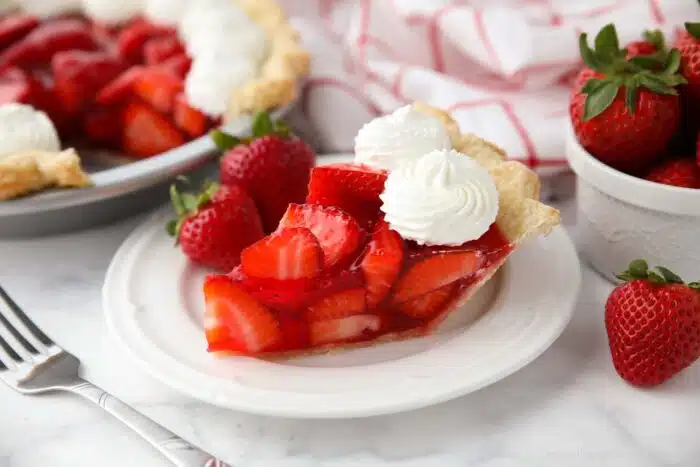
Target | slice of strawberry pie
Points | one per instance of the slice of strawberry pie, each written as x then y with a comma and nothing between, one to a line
385,248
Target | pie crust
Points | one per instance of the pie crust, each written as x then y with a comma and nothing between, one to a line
520,217
282,70
30,171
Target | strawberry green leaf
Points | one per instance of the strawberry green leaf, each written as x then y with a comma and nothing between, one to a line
171,227
282,129
598,101
189,201
648,62
176,200
669,276
607,46
262,125
625,277
638,268
592,85
656,85
694,285
673,62
224,141
656,278
693,29
587,54
656,37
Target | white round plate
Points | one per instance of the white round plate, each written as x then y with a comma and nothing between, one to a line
154,308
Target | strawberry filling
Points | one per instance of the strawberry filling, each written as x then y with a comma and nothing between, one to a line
72,67
324,279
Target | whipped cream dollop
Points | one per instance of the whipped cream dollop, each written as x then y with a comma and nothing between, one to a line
23,128
226,47
406,134
443,197
112,11
166,12
48,8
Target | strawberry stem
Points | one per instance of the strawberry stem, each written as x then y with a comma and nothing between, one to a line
639,269
263,125
656,72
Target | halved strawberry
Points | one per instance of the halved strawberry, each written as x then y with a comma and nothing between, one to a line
234,321
435,272
133,38
120,87
101,124
15,26
189,119
179,65
159,49
429,304
338,305
146,132
348,329
338,233
353,188
382,263
159,88
292,253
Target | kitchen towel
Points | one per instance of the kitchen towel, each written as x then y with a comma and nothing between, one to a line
501,67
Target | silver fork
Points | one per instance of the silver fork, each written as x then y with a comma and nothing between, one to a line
31,363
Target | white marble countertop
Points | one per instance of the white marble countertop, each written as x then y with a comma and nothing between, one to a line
568,408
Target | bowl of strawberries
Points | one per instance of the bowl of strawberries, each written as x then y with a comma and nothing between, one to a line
632,141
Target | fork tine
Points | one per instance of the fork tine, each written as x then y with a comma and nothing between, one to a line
24,327
11,338
7,359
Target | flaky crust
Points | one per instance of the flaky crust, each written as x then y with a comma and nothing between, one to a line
280,74
521,216
30,171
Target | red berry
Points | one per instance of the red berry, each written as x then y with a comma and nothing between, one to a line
292,253
146,132
382,263
676,172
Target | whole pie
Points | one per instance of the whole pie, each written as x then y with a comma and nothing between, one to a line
142,76
384,248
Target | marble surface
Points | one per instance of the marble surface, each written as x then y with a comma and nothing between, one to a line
568,408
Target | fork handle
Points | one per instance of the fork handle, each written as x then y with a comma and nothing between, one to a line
179,451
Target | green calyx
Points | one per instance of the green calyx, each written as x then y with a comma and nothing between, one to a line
263,125
657,72
639,269
186,204
693,29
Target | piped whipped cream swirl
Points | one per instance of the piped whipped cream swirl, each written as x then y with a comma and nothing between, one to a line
441,198
406,134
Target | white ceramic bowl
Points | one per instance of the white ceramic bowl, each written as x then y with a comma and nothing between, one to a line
622,218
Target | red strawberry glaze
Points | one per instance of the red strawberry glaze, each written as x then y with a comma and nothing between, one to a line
293,303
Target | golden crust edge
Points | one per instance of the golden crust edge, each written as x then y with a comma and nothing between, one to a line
280,74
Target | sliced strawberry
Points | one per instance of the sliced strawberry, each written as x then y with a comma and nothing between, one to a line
348,329
133,38
79,75
435,272
292,253
234,321
290,294
159,49
15,86
101,124
430,304
179,65
51,37
120,88
189,119
338,305
158,88
353,188
338,233
382,263
14,27
146,132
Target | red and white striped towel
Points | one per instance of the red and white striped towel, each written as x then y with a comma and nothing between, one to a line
502,67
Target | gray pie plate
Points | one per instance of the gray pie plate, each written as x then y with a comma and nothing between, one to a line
119,189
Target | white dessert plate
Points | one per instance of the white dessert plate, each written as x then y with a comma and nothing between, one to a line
154,308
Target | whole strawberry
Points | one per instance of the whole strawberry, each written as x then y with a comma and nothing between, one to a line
272,164
688,44
677,172
653,324
625,111
215,225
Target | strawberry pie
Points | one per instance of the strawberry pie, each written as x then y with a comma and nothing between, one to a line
146,76
384,248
